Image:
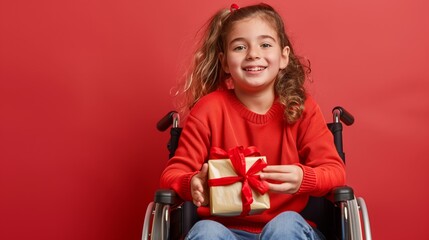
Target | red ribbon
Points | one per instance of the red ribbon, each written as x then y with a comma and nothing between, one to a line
249,178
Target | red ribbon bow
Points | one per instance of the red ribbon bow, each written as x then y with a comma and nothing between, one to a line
249,178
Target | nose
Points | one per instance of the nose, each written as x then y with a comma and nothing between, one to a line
253,53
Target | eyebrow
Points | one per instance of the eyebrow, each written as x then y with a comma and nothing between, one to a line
259,37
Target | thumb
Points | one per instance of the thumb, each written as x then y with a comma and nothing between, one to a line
204,170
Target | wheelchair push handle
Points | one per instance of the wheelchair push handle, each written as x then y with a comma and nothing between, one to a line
340,113
340,116
171,118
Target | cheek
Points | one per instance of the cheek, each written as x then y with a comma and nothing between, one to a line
277,60
233,62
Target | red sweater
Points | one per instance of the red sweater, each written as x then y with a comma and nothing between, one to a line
221,120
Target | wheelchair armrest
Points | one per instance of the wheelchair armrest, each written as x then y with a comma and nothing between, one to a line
165,196
182,214
342,194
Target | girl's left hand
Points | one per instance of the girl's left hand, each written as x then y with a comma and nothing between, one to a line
283,178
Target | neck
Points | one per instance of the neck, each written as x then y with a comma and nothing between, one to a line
259,102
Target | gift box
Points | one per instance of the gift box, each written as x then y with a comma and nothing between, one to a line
235,186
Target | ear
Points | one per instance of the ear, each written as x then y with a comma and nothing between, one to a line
284,60
223,62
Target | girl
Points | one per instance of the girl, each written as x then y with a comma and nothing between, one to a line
246,88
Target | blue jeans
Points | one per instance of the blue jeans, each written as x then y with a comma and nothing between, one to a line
287,225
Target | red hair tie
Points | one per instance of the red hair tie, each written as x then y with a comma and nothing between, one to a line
234,7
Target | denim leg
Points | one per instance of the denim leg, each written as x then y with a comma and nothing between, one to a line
289,225
243,235
208,229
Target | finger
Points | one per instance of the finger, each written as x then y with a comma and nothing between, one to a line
204,170
275,176
203,200
277,187
283,188
282,177
197,203
278,168
198,198
196,184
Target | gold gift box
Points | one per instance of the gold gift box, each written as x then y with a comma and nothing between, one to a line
226,200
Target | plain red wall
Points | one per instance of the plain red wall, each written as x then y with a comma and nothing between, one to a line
82,84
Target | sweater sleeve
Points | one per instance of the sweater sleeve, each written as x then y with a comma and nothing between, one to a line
322,166
190,155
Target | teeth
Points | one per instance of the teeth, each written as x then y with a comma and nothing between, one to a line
255,69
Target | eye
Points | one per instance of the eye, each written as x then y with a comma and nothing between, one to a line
239,48
266,45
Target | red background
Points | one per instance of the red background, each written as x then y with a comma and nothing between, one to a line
82,84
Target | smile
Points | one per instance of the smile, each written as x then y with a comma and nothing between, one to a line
254,69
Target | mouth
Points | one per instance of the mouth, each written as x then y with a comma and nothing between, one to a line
254,68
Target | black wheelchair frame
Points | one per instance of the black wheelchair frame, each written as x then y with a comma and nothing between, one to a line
338,215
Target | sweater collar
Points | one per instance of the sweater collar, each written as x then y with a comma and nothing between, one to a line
274,112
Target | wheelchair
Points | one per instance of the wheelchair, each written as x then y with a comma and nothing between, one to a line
339,215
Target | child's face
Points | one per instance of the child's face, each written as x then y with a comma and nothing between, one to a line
253,55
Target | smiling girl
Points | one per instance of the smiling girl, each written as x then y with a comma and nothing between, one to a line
246,88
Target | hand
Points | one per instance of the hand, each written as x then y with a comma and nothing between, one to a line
199,187
283,178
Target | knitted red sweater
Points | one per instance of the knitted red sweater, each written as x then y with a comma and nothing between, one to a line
221,120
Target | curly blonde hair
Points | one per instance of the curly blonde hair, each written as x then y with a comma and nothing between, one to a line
206,74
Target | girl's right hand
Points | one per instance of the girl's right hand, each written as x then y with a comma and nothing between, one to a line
199,188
